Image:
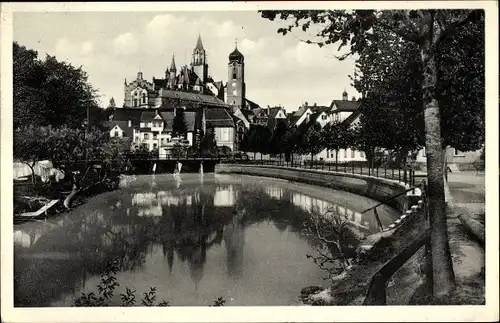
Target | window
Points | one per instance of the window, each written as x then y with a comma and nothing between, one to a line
235,92
116,133
146,136
135,102
352,153
143,97
155,145
323,117
234,73
345,153
362,154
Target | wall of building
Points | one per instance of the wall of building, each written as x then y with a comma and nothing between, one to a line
224,136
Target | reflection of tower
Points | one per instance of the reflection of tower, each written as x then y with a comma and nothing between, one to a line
234,239
197,262
168,251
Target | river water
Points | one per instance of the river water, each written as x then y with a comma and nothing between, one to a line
194,238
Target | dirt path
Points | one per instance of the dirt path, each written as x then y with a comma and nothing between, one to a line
468,192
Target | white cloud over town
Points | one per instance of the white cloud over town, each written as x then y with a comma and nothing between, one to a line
112,47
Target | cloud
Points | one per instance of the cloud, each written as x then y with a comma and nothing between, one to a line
279,70
66,49
125,44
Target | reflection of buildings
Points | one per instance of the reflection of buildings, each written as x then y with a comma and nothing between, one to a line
311,204
234,239
274,192
225,196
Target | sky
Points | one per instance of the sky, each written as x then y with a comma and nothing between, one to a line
114,46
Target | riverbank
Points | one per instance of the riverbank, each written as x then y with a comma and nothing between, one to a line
29,198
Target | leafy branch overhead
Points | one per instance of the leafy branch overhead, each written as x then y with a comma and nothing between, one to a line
353,28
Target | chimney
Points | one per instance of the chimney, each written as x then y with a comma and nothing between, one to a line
306,104
139,75
344,96
315,104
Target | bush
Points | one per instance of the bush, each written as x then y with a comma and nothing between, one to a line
108,285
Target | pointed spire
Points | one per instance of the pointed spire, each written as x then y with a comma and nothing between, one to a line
172,65
199,43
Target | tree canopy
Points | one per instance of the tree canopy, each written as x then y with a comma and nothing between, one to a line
49,92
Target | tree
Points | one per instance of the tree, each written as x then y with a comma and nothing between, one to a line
49,92
85,157
427,29
28,147
336,136
312,141
179,127
289,142
208,143
257,139
278,133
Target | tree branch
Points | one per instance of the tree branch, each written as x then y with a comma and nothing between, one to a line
448,29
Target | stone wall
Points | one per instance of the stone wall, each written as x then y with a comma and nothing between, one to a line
379,189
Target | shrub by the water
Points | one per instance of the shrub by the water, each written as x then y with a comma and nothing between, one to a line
107,286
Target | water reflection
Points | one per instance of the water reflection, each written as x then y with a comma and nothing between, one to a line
221,235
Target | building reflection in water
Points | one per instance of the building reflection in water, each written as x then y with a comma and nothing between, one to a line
225,195
311,204
234,240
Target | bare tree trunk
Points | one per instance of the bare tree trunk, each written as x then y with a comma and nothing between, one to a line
443,276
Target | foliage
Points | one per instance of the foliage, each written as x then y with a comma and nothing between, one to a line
429,31
338,242
28,148
107,286
257,139
311,140
208,144
84,156
49,92
276,142
179,127
336,136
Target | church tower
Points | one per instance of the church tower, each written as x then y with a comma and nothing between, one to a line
199,62
236,80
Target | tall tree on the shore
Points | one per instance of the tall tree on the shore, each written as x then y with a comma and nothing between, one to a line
179,127
49,92
336,136
428,30
312,140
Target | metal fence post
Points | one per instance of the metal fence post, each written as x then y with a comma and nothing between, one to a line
352,167
377,171
361,168
392,169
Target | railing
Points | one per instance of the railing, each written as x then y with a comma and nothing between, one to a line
374,208
377,294
405,174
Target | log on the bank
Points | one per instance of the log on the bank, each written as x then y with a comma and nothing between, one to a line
476,228
39,212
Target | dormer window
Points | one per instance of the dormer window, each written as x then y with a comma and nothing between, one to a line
143,97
